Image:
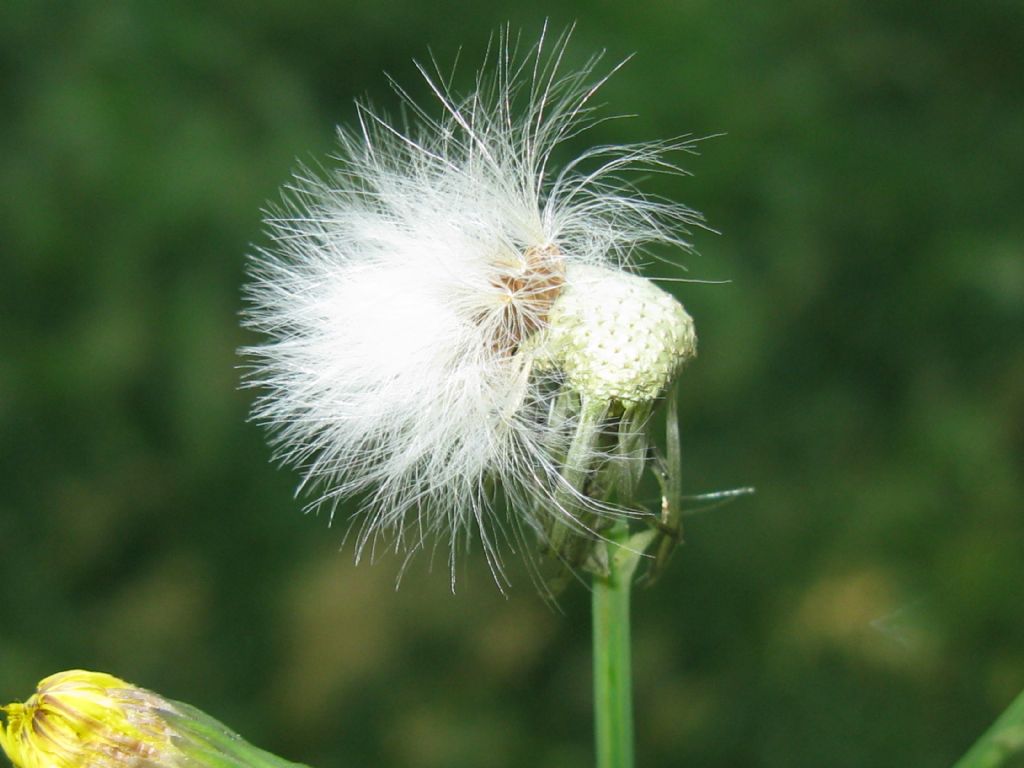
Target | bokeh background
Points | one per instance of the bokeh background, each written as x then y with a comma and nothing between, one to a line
863,369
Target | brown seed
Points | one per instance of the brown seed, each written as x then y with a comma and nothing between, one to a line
530,288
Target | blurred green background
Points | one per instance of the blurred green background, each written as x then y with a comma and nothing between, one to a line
864,369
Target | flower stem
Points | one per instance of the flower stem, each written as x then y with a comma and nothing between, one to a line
613,677
574,474
1000,743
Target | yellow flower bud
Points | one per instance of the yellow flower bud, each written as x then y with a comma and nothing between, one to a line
80,719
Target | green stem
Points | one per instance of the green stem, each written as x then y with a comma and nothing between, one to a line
207,743
613,678
574,473
1000,743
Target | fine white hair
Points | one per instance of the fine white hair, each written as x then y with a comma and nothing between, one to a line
399,289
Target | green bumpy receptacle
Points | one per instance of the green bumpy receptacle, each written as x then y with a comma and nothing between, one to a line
617,336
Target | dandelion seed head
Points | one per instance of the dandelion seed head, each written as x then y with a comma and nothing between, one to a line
408,294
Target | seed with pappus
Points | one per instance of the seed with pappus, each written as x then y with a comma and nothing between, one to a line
438,308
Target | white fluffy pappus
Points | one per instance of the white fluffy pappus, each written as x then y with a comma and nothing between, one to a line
402,288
